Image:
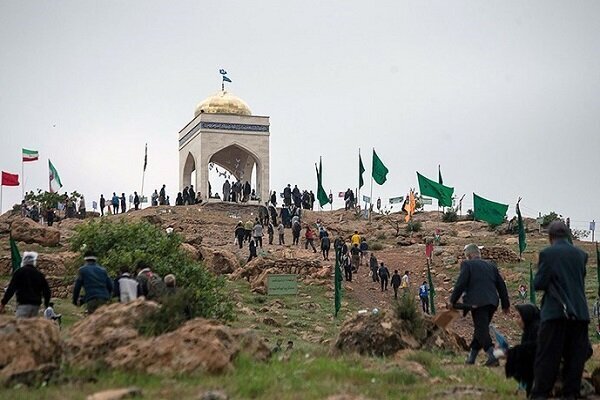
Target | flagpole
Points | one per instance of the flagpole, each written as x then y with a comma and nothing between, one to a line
22,178
144,175
1,190
371,198
358,191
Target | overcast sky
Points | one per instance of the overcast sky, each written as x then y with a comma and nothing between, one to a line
505,95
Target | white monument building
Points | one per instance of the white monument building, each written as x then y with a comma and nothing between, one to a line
225,133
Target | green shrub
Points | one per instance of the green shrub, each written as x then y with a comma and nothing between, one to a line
413,226
127,243
406,310
381,236
549,218
450,216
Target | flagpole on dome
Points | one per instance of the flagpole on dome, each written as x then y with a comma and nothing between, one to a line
144,173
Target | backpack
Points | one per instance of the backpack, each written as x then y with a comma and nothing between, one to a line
423,291
156,286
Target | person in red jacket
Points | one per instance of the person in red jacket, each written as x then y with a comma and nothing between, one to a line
310,238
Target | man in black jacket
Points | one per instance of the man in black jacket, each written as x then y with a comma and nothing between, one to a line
563,333
481,284
30,285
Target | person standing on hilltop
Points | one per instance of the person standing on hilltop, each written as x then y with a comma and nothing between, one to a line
483,287
123,203
185,197
162,196
226,190
274,198
312,200
192,195
136,201
297,197
287,195
563,333
154,198
102,204
115,203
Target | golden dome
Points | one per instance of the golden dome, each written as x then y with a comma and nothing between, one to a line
223,102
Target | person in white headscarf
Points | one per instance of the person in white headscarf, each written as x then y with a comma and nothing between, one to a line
30,285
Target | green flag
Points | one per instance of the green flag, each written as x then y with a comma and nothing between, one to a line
522,238
321,194
531,289
361,170
435,190
337,298
15,256
379,171
489,211
431,291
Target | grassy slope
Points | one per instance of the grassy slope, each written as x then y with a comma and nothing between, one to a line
308,372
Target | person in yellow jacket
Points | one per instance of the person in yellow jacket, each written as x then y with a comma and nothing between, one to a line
355,239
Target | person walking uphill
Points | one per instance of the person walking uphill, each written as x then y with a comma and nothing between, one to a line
564,315
240,234
482,285
384,275
95,282
374,266
309,236
30,285
396,283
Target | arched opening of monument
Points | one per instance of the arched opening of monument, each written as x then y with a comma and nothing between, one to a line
240,168
189,171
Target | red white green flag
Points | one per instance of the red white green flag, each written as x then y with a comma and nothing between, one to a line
30,155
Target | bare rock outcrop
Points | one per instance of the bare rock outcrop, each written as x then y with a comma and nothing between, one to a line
95,337
31,349
109,336
28,231
219,261
385,335
198,345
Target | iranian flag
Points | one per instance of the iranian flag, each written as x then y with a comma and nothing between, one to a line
30,155
55,183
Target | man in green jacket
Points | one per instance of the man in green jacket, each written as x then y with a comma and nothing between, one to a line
563,333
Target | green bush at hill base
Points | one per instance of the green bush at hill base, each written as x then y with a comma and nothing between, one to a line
127,243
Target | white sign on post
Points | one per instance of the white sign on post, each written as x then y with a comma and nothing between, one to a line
366,199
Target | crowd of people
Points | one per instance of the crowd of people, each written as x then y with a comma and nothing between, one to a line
32,290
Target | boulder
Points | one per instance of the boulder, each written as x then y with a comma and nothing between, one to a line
96,337
57,264
219,261
384,335
28,231
31,349
199,345
190,250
